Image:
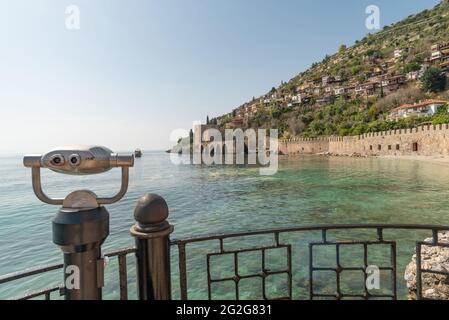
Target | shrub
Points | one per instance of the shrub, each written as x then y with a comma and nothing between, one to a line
434,80
413,66
440,119
441,116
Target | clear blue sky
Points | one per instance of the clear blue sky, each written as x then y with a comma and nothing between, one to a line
138,69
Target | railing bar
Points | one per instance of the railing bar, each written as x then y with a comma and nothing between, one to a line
290,276
236,271
418,272
309,228
123,277
29,272
326,269
380,235
35,294
221,245
209,282
247,276
349,296
182,270
434,237
430,244
365,255
280,298
250,276
247,250
338,272
227,279
324,295
435,272
42,269
365,265
351,242
311,269
272,273
264,292
118,252
337,256
394,270
362,296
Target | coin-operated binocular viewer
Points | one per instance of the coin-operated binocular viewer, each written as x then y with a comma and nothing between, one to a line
82,223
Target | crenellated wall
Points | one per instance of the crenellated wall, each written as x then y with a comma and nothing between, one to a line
304,146
428,140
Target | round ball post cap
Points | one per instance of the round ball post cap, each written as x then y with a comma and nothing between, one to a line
151,209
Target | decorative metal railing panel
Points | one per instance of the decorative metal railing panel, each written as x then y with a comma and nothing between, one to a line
370,239
263,273
339,269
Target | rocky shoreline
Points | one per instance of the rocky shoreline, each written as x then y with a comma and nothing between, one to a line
435,258
437,159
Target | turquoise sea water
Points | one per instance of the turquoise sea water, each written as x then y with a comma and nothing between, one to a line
202,200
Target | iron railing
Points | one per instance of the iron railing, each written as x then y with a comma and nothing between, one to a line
121,255
301,241
337,268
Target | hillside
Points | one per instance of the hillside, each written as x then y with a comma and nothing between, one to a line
353,90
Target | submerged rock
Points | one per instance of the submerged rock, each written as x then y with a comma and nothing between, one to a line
434,286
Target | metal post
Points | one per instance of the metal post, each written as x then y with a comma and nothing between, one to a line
79,234
152,232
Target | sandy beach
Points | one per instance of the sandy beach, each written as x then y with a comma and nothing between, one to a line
441,160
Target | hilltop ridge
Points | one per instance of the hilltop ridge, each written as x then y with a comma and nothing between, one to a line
353,90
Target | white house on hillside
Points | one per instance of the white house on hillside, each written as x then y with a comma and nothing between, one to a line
422,108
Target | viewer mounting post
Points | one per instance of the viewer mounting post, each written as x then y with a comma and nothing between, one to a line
152,232
82,223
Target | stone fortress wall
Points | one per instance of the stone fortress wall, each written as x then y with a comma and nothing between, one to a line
304,146
427,140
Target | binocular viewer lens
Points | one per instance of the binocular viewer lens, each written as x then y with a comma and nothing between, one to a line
75,160
57,160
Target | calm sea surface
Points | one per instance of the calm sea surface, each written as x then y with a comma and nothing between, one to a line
202,200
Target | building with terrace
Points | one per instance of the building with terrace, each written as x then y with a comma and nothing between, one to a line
420,109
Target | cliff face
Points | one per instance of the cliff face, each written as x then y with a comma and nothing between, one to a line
353,90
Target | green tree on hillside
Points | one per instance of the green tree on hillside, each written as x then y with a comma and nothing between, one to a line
442,115
434,80
413,66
